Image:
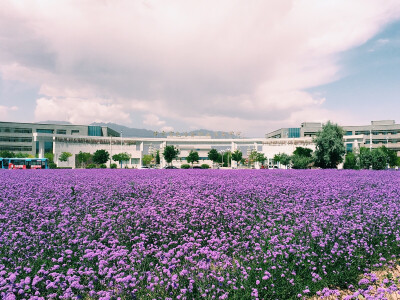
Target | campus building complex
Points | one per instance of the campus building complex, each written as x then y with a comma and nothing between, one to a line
36,139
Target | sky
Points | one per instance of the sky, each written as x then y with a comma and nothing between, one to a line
179,65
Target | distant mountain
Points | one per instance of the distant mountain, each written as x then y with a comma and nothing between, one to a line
136,132
55,122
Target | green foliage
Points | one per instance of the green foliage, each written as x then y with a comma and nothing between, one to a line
285,159
379,159
300,162
391,156
7,154
227,158
91,166
121,157
365,158
101,157
158,159
52,165
170,153
185,166
83,158
113,166
260,157
50,157
304,152
146,159
64,156
205,166
237,155
213,155
192,157
329,146
350,161
23,155
253,156
103,166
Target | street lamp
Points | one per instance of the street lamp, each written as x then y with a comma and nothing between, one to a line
121,140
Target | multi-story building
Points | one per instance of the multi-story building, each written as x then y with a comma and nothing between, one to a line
20,137
37,139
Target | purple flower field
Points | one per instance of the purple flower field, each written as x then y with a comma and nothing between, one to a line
190,234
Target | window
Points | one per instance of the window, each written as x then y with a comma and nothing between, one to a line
349,147
61,131
16,148
135,161
349,132
15,139
44,130
74,131
94,131
294,133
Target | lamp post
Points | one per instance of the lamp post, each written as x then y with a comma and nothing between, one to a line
121,141
222,155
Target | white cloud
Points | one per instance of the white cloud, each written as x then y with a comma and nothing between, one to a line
79,111
210,63
5,112
152,120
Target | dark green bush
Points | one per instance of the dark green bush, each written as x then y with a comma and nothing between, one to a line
103,166
52,165
113,166
205,166
185,166
91,166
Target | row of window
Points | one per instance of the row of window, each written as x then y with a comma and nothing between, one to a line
15,130
374,132
15,148
15,139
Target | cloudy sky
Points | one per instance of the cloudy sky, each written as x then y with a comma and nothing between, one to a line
248,66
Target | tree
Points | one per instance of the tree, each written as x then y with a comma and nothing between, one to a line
158,160
391,156
329,146
213,155
237,156
301,151
301,158
227,158
192,157
7,154
300,162
146,159
83,158
101,157
350,161
379,159
121,157
170,153
64,156
285,159
261,158
365,158
253,156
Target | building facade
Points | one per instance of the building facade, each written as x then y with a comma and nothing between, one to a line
37,139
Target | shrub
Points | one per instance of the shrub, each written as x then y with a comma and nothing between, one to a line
113,166
103,166
205,166
52,165
185,166
91,166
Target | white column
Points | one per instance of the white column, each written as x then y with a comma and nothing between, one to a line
41,149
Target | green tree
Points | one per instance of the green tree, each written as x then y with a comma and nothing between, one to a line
101,157
121,157
83,158
285,159
64,156
365,158
379,159
300,162
237,156
301,151
158,159
23,155
253,157
350,161
227,155
192,157
146,159
329,146
170,153
391,156
213,155
7,154
261,158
